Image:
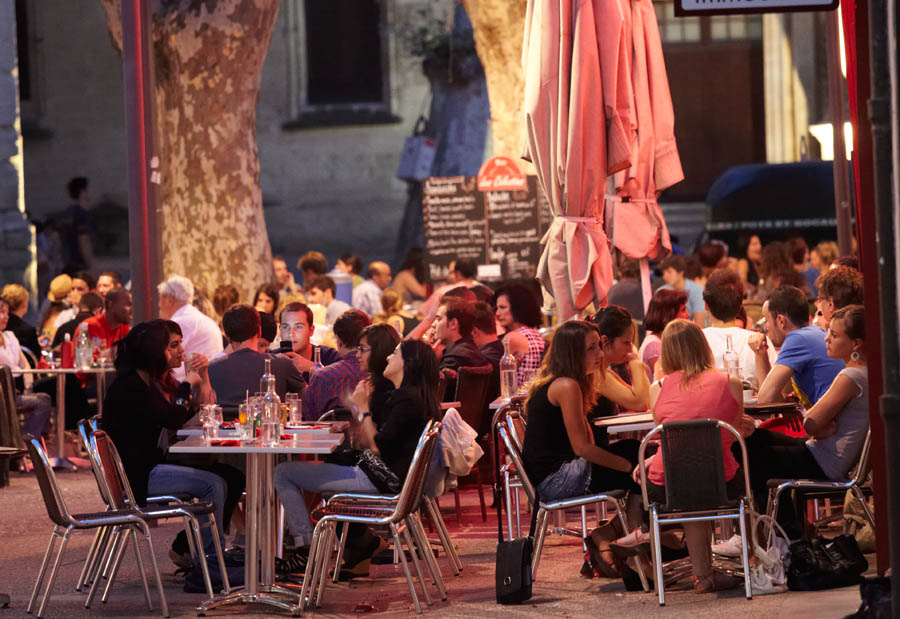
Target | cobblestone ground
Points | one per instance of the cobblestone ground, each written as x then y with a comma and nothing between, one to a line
559,591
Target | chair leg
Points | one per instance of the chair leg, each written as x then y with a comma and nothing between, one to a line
456,503
117,562
145,530
307,591
626,526
745,559
105,565
409,581
481,494
279,535
43,570
220,555
54,572
443,534
657,556
858,493
89,560
508,500
540,533
99,559
414,554
326,546
140,563
584,530
518,512
422,541
342,545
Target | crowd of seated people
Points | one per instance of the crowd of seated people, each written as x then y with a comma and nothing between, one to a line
383,352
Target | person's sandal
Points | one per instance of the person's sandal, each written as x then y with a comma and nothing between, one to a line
602,560
715,582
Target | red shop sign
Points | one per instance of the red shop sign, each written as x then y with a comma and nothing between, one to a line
501,174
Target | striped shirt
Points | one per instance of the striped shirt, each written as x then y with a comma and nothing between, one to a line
328,385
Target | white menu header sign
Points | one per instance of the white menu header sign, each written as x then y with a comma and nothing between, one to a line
685,8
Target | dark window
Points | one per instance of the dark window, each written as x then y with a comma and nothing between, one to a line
344,52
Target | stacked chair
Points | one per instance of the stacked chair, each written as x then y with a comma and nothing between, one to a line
396,513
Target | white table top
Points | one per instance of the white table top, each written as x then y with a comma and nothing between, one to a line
628,422
105,370
196,444
307,432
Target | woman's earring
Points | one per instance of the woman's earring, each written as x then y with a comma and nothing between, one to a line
854,356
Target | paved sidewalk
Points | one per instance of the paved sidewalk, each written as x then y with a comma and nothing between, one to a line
559,591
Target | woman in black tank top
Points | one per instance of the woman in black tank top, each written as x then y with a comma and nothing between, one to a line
559,451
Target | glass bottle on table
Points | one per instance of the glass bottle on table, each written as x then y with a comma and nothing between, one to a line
267,374
730,359
271,414
508,372
317,360
84,352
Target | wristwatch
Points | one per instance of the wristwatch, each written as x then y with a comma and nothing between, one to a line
183,402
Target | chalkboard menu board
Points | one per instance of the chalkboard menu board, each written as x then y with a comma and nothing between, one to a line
502,228
455,226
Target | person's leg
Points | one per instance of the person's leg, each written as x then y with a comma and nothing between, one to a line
697,537
291,478
37,410
206,486
571,479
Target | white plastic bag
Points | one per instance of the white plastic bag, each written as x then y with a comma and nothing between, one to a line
768,575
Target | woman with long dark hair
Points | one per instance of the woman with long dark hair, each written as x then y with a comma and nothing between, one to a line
144,403
375,346
266,299
413,370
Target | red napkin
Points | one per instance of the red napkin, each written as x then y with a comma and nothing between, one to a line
228,425
225,442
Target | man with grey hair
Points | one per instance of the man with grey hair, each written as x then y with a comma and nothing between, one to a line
200,334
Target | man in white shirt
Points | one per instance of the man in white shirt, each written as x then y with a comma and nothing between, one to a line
322,293
367,296
723,296
200,334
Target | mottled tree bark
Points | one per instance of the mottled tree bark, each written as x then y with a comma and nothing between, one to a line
208,57
499,26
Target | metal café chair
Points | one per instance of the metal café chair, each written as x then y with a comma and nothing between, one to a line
695,484
64,523
117,491
397,515
820,487
615,498
97,550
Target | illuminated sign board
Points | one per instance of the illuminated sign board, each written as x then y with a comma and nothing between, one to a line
686,8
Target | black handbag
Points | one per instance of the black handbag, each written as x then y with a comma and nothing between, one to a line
513,564
825,564
381,476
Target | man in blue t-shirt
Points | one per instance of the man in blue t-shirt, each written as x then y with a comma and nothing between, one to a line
673,269
803,360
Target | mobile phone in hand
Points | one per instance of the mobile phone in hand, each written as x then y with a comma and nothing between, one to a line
286,346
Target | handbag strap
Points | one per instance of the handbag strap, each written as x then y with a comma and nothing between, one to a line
497,500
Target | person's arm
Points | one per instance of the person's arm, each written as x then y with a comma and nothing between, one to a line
634,397
700,319
422,328
313,399
760,347
412,284
736,387
820,420
518,345
565,393
655,388
362,428
771,389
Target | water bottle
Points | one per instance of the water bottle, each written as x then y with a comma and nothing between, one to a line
508,381
317,360
271,423
267,373
731,360
84,352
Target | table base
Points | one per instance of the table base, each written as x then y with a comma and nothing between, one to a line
244,597
63,463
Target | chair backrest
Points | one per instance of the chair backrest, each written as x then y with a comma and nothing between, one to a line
113,473
29,356
472,393
53,500
515,426
862,465
411,493
86,430
512,450
12,434
692,460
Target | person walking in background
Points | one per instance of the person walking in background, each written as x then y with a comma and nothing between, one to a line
75,225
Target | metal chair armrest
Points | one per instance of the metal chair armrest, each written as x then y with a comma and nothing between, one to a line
578,501
346,497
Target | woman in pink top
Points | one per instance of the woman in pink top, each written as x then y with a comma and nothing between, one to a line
691,388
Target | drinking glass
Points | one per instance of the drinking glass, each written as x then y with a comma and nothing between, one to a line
271,433
53,361
210,432
291,397
245,431
203,415
295,412
215,414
